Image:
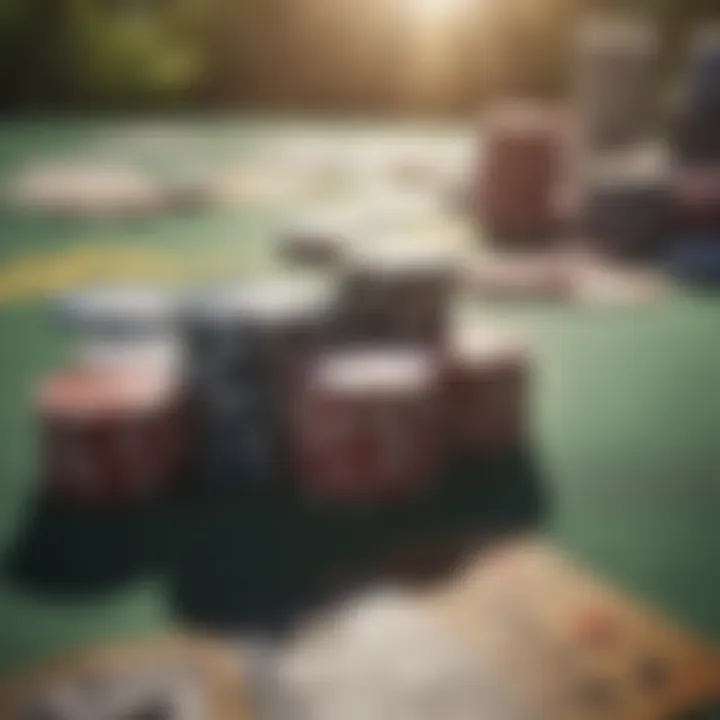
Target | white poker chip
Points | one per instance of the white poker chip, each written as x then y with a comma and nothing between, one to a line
117,308
359,372
84,190
159,353
269,302
402,255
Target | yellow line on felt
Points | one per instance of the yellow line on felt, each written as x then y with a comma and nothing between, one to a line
40,274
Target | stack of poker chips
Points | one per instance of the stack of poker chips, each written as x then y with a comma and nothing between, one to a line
515,196
486,377
112,421
245,347
111,434
353,391
380,423
366,425
398,393
614,82
697,127
625,203
396,290
695,254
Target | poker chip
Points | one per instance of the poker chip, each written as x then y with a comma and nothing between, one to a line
397,290
150,353
85,190
615,66
110,434
117,311
485,375
705,53
517,175
277,301
695,136
364,425
626,206
695,196
264,326
696,259
246,345
375,371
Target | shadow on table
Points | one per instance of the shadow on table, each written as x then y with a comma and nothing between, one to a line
72,550
241,561
236,565
256,563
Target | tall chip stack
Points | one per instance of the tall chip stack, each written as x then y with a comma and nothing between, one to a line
365,426
696,137
625,204
396,290
366,450
695,253
614,90
696,199
486,375
244,347
111,435
516,184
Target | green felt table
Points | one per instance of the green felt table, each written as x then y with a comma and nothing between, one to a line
625,408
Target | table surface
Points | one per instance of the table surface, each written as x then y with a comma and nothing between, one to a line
625,411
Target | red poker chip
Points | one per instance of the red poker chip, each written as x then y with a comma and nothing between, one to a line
364,426
110,433
695,197
485,396
519,172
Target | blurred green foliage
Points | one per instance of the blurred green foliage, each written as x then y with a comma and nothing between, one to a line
101,52
135,54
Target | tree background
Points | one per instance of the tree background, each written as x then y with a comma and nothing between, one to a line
339,55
